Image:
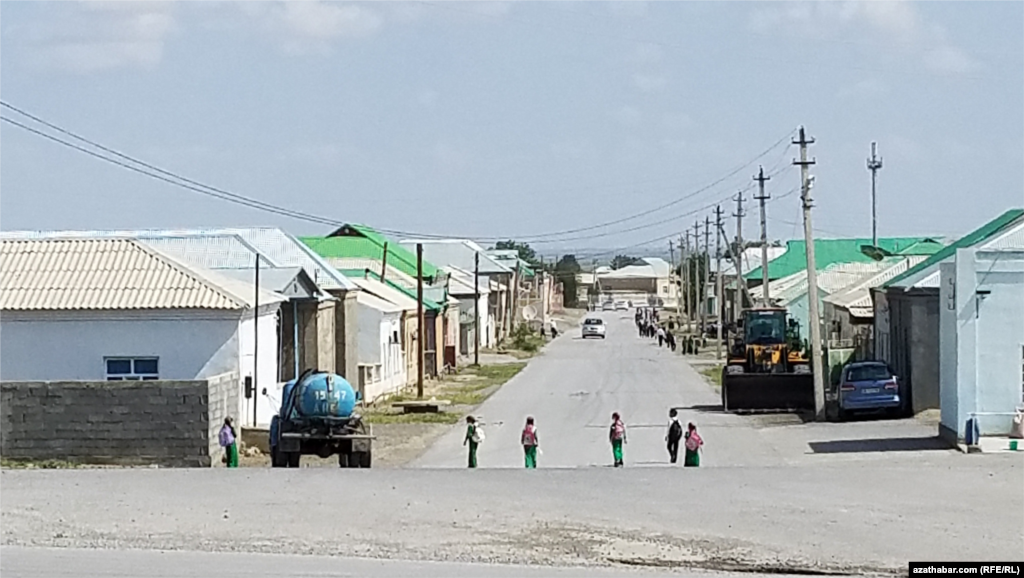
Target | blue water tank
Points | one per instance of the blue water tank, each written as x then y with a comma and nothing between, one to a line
320,395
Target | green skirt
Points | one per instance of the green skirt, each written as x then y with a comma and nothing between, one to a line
691,459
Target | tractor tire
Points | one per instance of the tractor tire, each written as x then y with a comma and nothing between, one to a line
275,458
342,460
365,459
293,459
353,460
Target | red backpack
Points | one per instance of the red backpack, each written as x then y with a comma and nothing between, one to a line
529,437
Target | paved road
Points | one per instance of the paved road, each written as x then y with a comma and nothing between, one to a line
18,562
575,385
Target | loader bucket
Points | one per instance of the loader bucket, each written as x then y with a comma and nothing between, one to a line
767,392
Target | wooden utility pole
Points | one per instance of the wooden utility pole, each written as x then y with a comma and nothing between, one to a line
706,261
476,310
738,259
814,319
718,281
874,164
420,321
761,198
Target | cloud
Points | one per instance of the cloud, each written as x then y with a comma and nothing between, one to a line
97,36
897,22
304,26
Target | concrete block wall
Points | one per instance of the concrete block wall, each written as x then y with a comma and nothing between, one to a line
116,422
223,400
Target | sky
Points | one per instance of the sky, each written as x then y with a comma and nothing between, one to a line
570,125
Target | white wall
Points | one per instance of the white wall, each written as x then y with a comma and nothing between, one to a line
266,375
72,345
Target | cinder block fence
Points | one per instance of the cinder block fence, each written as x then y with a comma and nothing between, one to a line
168,423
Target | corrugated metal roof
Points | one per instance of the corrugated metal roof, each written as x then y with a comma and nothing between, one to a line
367,299
390,294
279,247
833,278
209,251
751,260
857,298
361,265
359,241
69,274
459,253
828,252
1012,238
653,268
922,274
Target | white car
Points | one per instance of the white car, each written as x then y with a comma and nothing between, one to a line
621,306
593,327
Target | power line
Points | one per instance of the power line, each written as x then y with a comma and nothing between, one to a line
176,179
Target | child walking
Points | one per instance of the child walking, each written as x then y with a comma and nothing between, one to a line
694,444
617,435
229,441
674,435
473,437
529,441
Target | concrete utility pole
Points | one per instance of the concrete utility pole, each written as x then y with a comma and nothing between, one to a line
761,198
737,304
420,320
736,263
718,281
476,310
696,272
672,257
686,280
706,260
812,277
874,164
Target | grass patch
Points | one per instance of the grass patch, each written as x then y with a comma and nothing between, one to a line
713,375
444,417
469,388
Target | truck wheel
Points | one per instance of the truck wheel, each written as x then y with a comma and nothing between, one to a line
365,459
342,460
353,460
275,458
293,459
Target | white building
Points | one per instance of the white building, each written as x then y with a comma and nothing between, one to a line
116,309
981,338
382,368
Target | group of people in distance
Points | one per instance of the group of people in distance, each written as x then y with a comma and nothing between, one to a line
648,324
692,442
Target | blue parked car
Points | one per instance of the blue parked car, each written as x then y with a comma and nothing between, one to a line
867,386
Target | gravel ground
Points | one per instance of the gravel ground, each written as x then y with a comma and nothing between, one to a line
843,517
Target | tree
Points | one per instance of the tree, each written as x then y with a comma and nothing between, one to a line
526,253
566,270
621,261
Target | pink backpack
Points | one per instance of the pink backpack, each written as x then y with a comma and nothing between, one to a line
529,437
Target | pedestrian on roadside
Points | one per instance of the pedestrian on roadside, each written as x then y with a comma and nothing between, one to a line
694,447
674,435
617,435
229,441
474,435
671,338
530,443
661,336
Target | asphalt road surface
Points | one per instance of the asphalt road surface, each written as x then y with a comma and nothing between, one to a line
574,386
18,562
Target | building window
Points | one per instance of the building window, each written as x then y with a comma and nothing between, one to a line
132,368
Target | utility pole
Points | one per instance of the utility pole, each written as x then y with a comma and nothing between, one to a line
874,164
737,305
420,321
812,277
697,300
761,198
476,310
718,281
686,280
706,261
672,257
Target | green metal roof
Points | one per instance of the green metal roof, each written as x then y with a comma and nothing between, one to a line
427,303
362,242
827,252
973,238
